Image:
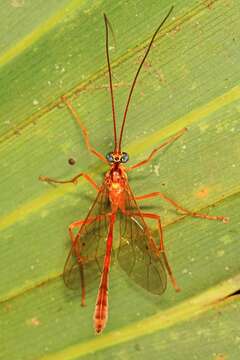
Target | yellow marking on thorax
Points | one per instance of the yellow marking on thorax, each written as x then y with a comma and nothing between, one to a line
115,185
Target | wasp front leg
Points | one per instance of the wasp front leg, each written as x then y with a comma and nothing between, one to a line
74,180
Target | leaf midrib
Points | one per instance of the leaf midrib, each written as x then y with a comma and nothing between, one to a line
212,298
83,85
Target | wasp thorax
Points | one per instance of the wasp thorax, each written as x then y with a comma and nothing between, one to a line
115,157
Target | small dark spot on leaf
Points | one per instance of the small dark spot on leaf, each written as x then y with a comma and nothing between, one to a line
71,161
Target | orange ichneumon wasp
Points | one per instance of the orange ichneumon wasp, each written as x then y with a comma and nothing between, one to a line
142,257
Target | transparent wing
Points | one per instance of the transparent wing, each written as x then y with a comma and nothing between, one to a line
138,255
85,259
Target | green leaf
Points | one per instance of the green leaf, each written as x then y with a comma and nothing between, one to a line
191,79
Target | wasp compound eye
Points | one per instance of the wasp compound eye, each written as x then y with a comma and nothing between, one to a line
109,157
124,157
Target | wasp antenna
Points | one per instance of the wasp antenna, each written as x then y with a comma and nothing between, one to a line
108,26
136,76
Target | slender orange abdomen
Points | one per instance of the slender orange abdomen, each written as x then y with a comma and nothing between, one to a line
101,309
